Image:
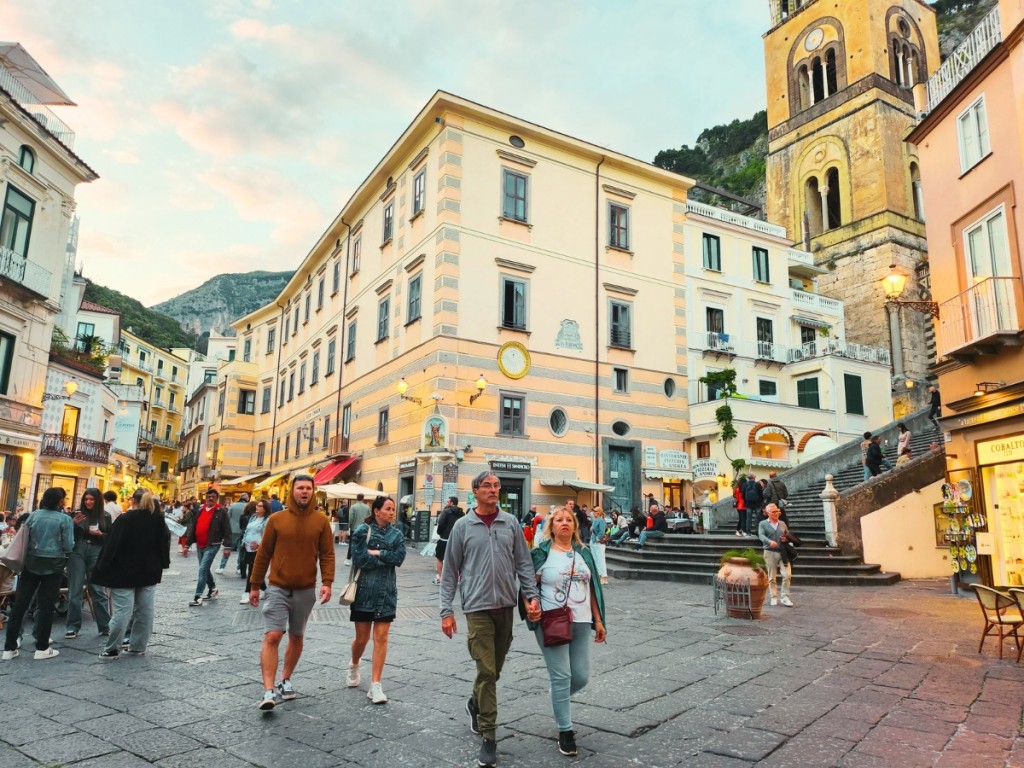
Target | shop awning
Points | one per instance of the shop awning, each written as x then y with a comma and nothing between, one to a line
269,481
243,479
332,470
349,491
664,474
578,485
810,322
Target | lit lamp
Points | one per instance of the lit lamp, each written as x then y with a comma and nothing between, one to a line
402,388
481,385
71,387
984,387
894,284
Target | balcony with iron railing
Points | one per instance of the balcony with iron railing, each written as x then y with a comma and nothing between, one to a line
983,317
165,443
621,338
158,402
986,36
57,127
75,448
188,461
146,436
24,272
770,351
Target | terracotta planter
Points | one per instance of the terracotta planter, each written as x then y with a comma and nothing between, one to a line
739,576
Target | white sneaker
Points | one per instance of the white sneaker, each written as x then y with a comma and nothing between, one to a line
8,655
49,653
348,562
354,678
219,571
376,694
245,598
787,602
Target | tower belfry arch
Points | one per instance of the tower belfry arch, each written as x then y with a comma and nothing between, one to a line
841,76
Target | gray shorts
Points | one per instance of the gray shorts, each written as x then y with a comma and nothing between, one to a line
287,609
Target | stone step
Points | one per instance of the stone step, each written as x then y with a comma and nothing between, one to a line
808,565
799,579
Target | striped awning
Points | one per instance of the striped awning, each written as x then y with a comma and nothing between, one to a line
810,322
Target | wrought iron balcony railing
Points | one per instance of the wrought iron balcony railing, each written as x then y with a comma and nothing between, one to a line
75,448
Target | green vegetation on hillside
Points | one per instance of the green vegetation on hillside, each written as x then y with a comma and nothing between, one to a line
222,299
158,329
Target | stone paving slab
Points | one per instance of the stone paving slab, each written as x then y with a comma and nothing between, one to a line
848,678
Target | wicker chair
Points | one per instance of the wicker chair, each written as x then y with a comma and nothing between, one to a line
1002,615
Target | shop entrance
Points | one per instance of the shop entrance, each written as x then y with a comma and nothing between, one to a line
510,498
1004,492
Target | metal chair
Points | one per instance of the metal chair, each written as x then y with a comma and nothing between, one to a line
1002,614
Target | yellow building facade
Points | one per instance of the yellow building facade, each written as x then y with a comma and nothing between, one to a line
841,78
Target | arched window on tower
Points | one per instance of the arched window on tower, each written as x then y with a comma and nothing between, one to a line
831,80
908,67
834,217
897,61
804,84
817,81
812,206
916,191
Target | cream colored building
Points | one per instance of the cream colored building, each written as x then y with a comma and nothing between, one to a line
39,171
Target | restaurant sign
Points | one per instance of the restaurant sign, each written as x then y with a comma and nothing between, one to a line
704,469
1001,450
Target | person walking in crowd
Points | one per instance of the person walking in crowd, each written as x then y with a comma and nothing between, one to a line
51,538
935,401
874,457
132,564
250,545
92,524
208,530
864,445
450,515
903,441
565,572
356,514
742,520
294,542
235,512
378,548
753,497
774,536
275,504
485,557
657,528
598,539
110,506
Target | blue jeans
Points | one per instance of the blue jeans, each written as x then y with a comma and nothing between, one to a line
867,473
649,533
206,556
569,670
134,605
620,538
80,565
227,552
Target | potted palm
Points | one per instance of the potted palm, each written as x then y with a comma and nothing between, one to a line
743,570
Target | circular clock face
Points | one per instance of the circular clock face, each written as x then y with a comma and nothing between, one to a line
814,39
514,360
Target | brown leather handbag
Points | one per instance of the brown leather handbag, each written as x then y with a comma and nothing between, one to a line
556,623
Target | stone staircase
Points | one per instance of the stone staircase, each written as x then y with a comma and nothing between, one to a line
694,558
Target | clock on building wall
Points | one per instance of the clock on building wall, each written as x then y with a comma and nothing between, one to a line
814,39
514,360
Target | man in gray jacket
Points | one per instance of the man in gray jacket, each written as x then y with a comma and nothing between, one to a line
235,512
485,556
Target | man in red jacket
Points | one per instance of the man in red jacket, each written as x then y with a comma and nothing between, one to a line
209,528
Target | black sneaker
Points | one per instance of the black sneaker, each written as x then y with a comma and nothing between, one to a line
110,655
71,634
126,643
488,754
567,743
473,712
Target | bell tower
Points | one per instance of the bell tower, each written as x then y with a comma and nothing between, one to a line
841,76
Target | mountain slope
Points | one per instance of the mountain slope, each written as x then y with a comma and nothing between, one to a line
221,300
156,328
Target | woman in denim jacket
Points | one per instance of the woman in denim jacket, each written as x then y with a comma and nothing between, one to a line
378,547
51,538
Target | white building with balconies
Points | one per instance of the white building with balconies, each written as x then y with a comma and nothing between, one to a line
752,306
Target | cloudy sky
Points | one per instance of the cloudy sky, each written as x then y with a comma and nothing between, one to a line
228,133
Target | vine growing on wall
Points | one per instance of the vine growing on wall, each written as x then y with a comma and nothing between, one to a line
723,383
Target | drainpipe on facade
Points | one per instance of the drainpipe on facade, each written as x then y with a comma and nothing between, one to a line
597,319
342,330
277,378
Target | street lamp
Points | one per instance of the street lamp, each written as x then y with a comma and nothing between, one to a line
402,388
984,387
481,385
894,284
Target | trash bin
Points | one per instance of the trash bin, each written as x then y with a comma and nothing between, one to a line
421,525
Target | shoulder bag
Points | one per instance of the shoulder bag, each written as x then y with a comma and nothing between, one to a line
14,556
556,624
348,594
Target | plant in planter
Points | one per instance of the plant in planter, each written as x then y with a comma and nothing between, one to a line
743,573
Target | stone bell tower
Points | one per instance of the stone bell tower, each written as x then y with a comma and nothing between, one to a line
841,77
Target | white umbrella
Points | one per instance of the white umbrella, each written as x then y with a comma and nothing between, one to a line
349,491
26,70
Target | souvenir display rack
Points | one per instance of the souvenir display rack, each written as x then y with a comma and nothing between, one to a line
960,534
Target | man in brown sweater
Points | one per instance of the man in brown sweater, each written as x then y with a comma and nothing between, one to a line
294,540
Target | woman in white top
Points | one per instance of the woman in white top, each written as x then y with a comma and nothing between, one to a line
904,439
251,543
566,574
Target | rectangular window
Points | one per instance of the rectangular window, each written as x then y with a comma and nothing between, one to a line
231,356
314,374
513,410
761,272
972,133
298,442
704,449
16,225
357,252
382,425
271,336
287,446
277,451
302,378
261,454
389,222
282,392
621,325
247,350
291,386
346,422
514,203
808,341
414,298
320,294
6,360
768,390
287,327
712,253
330,356
220,403
621,379
618,226
265,407
167,437
209,377
336,276
419,192
295,325
85,330
513,303
765,339
714,321
807,393
309,437
247,401
309,306
854,394
383,315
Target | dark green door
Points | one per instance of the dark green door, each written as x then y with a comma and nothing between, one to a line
620,474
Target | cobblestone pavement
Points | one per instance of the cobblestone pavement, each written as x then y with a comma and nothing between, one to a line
866,677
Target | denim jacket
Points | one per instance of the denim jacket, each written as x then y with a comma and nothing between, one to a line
51,533
378,583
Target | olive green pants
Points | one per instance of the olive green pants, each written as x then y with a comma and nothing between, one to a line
490,635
